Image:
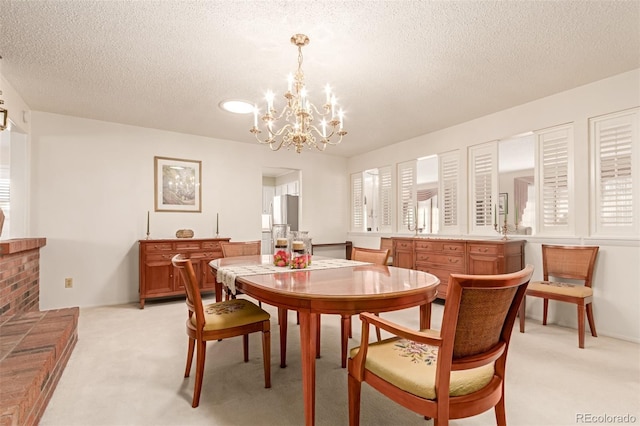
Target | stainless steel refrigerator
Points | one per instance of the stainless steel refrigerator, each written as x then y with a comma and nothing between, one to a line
285,211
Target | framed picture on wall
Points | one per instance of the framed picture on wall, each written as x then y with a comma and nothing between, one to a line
503,203
177,185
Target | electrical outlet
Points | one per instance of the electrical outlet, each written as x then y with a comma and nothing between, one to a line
68,282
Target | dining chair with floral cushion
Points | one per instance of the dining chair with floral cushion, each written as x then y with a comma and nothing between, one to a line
451,373
376,257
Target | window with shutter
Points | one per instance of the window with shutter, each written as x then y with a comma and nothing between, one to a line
555,165
371,200
407,201
5,198
385,196
357,203
5,182
449,180
614,144
483,187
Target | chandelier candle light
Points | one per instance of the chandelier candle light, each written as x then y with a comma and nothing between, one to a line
298,129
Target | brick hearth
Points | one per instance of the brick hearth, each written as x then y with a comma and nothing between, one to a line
34,345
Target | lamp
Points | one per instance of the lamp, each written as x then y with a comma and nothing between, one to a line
3,112
298,129
3,115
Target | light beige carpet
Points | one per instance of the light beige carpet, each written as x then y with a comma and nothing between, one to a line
128,366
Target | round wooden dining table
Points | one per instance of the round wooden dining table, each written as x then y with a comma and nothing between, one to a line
346,290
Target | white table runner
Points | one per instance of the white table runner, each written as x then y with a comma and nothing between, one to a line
227,274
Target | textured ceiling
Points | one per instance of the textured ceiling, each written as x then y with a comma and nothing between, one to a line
399,68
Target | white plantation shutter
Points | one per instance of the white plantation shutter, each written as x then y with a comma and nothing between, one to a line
5,196
4,188
407,201
483,187
385,194
357,203
449,187
615,145
555,192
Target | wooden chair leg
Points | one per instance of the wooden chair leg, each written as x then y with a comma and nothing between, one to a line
245,347
592,321
192,344
545,310
202,350
581,314
521,313
355,388
282,321
266,357
345,320
219,291
501,414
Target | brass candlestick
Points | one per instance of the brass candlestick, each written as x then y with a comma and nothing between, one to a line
148,233
415,222
503,229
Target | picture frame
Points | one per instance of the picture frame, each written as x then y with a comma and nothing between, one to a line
503,203
178,185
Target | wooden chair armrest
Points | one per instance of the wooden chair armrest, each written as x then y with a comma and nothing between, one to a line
398,330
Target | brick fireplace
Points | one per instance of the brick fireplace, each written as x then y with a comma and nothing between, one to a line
34,345
20,275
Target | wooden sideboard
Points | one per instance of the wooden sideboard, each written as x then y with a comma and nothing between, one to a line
157,275
442,257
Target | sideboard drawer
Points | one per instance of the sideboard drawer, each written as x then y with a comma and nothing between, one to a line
154,247
439,246
453,247
429,245
188,245
440,259
406,245
154,257
484,249
211,245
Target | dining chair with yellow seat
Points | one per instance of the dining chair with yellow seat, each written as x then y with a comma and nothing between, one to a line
239,248
453,373
217,321
387,243
573,263
377,257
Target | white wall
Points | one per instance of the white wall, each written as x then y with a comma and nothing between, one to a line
93,185
616,290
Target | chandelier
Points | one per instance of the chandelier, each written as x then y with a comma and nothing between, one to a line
298,117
